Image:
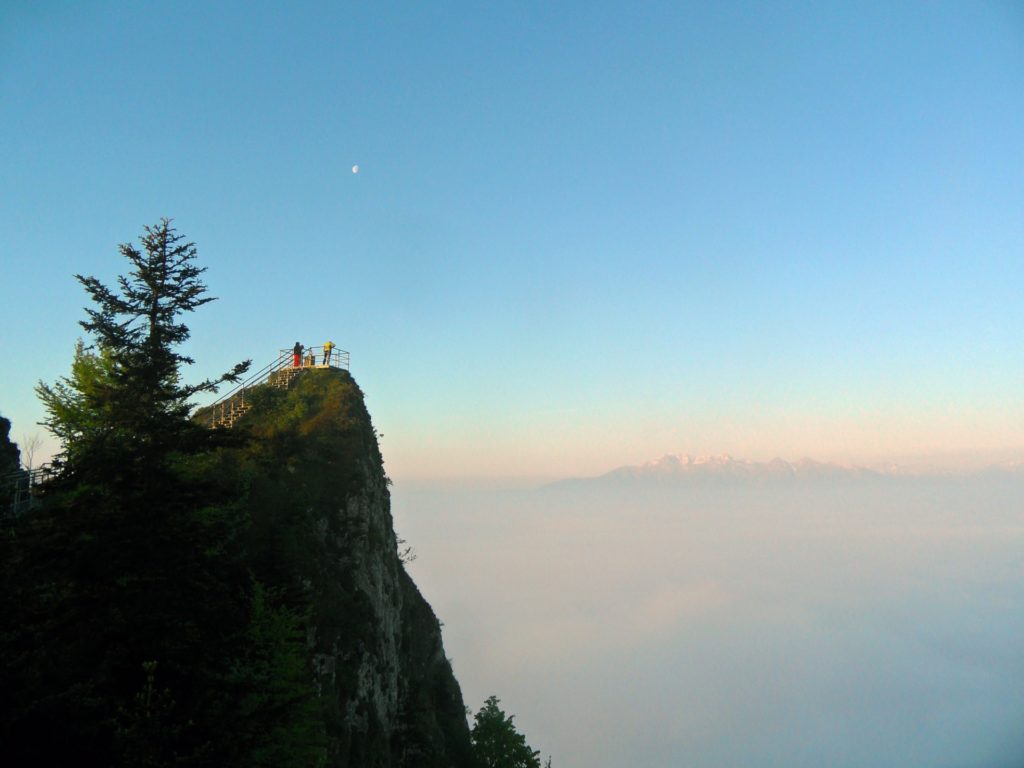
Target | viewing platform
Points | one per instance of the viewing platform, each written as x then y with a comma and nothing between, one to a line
279,373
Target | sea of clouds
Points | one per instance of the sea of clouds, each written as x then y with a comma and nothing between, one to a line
877,624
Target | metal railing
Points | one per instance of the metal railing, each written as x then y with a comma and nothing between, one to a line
18,489
228,406
313,357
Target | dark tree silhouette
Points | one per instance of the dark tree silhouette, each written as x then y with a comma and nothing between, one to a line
127,604
497,743
125,394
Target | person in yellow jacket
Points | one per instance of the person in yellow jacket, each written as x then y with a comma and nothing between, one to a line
328,348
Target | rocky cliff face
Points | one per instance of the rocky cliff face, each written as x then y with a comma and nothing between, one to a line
322,531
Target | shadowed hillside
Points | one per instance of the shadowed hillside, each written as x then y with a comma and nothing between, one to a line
321,528
240,605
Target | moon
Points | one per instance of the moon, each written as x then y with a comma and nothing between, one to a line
355,169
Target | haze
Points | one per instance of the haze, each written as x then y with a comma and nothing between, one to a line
841,624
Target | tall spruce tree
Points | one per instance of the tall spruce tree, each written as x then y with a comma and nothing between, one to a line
125,586
125,403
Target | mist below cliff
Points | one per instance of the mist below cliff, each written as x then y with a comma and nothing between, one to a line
844,624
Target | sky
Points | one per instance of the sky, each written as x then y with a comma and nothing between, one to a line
585,235
582,234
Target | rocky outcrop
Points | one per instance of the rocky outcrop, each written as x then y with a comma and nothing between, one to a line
322,528
10,456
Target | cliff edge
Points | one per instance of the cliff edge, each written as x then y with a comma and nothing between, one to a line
321,529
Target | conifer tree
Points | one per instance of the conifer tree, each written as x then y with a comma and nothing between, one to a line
125,394
497,743
129,565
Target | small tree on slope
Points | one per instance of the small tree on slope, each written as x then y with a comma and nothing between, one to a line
497,743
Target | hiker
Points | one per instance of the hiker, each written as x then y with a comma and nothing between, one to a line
328,348
297,355
311,359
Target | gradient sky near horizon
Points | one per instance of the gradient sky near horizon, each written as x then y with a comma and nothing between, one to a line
582,235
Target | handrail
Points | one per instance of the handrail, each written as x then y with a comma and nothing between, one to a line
219,411
18,488
253,379
339,357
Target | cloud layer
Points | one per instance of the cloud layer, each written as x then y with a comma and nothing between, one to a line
850,624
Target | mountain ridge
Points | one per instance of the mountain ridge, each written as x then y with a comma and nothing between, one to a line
724,468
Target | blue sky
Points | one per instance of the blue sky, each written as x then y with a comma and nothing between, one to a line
582,234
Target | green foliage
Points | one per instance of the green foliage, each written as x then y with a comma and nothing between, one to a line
276,713
78,406
320,424
125,401
497,743
136,562
163,606
312,454
146,733
140,325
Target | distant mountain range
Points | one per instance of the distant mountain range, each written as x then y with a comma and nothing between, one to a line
673,469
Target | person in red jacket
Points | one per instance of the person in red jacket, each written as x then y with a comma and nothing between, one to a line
297,355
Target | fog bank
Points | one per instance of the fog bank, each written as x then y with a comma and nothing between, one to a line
846,624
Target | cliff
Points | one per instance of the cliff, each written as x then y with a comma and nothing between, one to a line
10,456
321,530
228,598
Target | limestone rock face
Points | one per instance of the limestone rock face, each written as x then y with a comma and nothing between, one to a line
321,515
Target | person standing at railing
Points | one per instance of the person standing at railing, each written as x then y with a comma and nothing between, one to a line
328,348
297,355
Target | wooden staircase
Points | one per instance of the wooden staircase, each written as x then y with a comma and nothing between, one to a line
227,413
284,377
